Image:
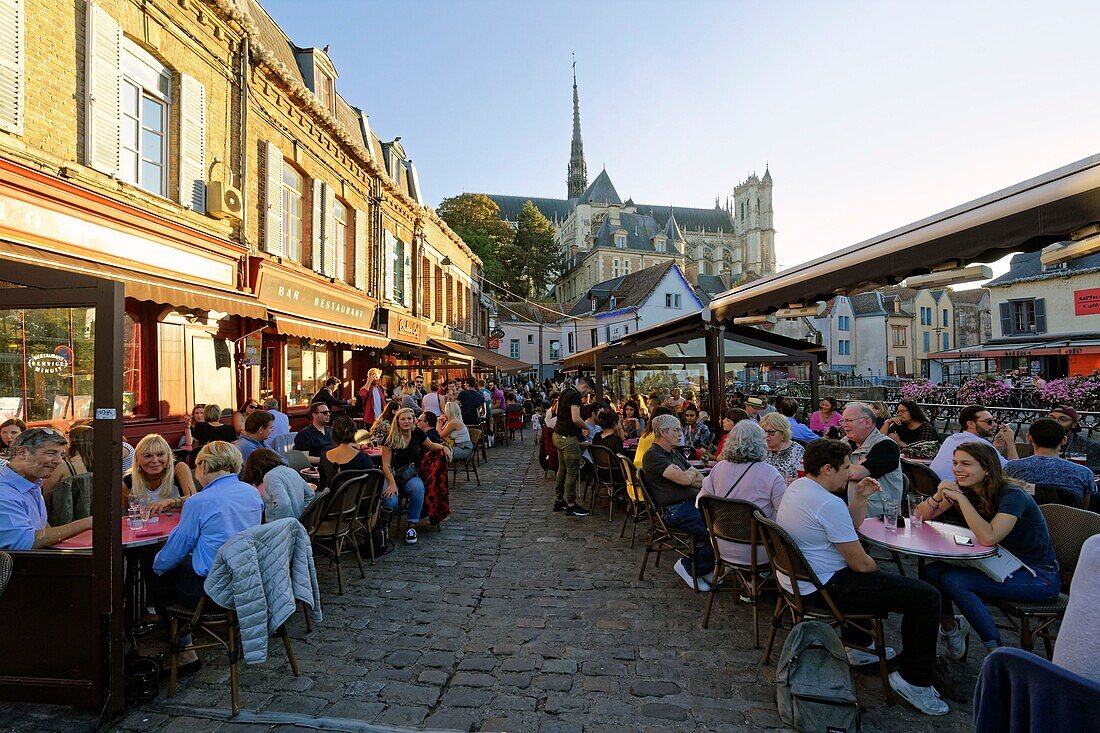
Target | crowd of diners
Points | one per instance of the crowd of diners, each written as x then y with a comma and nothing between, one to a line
820,480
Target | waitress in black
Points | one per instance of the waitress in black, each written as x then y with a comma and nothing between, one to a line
400,463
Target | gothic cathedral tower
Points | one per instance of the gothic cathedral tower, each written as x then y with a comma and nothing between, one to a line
752,220
577,173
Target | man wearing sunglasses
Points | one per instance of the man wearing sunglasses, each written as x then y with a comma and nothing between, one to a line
978,426
315,438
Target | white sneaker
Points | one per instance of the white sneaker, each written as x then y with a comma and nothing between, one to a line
491,441
410,537
685,575
860,658
957,640
925,699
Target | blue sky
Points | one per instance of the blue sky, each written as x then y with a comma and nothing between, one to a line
871,115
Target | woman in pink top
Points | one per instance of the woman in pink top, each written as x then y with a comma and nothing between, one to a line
825,418
743,473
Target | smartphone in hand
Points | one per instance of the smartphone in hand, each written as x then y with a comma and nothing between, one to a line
964,541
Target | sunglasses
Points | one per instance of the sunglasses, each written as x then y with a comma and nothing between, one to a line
321,412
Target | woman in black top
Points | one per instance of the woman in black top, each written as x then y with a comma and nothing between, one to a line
400,461
212,429
345,456
909,425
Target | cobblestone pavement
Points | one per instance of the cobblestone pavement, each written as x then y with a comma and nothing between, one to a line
512,618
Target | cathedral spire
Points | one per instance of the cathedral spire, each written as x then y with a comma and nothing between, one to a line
577,172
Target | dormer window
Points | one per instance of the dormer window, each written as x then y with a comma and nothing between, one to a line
660,244
326,92
620,241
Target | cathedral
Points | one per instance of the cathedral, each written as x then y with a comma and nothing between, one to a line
604,237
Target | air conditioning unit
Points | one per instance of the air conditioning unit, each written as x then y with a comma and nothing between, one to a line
223,201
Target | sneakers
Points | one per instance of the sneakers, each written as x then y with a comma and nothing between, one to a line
559,505
860,658
924,699
576,510
685,575
492,439
957,640
410,537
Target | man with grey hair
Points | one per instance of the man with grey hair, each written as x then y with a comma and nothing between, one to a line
872,456
673,485
281,426
36,454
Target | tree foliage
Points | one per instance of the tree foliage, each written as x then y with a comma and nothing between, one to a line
541,260
476,219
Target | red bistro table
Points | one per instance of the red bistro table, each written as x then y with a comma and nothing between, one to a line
150,535
932,540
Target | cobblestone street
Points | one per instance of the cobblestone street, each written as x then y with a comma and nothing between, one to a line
512,618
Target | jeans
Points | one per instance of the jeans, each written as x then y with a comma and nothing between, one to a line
685,516
879,592
569,468
969,587
414,489
462,452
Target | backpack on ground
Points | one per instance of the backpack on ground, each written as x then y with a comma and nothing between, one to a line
814,688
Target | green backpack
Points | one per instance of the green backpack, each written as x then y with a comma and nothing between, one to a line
814,688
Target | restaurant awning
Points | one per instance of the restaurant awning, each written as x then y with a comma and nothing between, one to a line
586,358
142,286
1022,218
322,332
489,358
1059,347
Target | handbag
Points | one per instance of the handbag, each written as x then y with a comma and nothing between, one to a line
406,474
999,566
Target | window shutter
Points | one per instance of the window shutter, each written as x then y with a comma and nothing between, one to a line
387,264
1040,315
103,89
360,249
11,65
406,295
317,227
1006,319
193,144
273,199
330,243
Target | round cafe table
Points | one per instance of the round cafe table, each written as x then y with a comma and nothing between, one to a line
932,540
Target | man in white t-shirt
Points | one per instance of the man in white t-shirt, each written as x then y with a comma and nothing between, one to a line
825,530
978,426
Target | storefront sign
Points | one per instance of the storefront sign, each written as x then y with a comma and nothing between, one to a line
48,363
20,217
406,328
308,300
1086,302
494,343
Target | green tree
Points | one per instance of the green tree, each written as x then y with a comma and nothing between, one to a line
476,219
541,261
514,277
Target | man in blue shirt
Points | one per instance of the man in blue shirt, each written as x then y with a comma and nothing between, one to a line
257,429
281,425
36,454
1047,436
224,507
788,408
315,438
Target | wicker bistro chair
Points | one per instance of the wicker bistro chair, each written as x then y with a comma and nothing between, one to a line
733,520
607,476
922,479
470,462
367,517
338,521
483,446
785,557
661,536
5,571
1069,528
500,429
297,459
636,508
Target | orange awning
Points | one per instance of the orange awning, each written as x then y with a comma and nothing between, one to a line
322,332
485,356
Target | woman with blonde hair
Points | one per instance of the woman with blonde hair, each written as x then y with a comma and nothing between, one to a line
783,452
401,464
156,476
373,395
456,431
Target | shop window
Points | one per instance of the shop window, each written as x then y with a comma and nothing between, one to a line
211,368
132,366
307,368
46,363
146,104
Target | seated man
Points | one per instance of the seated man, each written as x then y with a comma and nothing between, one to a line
977,425
873,455
825,530
257,429
1046,437
224,507
788,408
673,486
315,438
696,433
35,455
1076,444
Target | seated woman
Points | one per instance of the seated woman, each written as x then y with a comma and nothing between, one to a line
611,432
408,397
645,442
156,477
80,445
241,416
729,419
783,452
743,473
633,423
9,431
826,418
381,427
999,512
188,441
400,463
211,428
909,425
696,433
224,507
284,491
345,454
454,431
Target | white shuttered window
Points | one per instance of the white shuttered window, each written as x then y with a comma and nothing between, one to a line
103,108
331,245
340,230
293,184
273,199
317,227
12,77
146,106
361,273
192,146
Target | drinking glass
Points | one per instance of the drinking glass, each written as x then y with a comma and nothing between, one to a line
915,518
133,517
890,515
